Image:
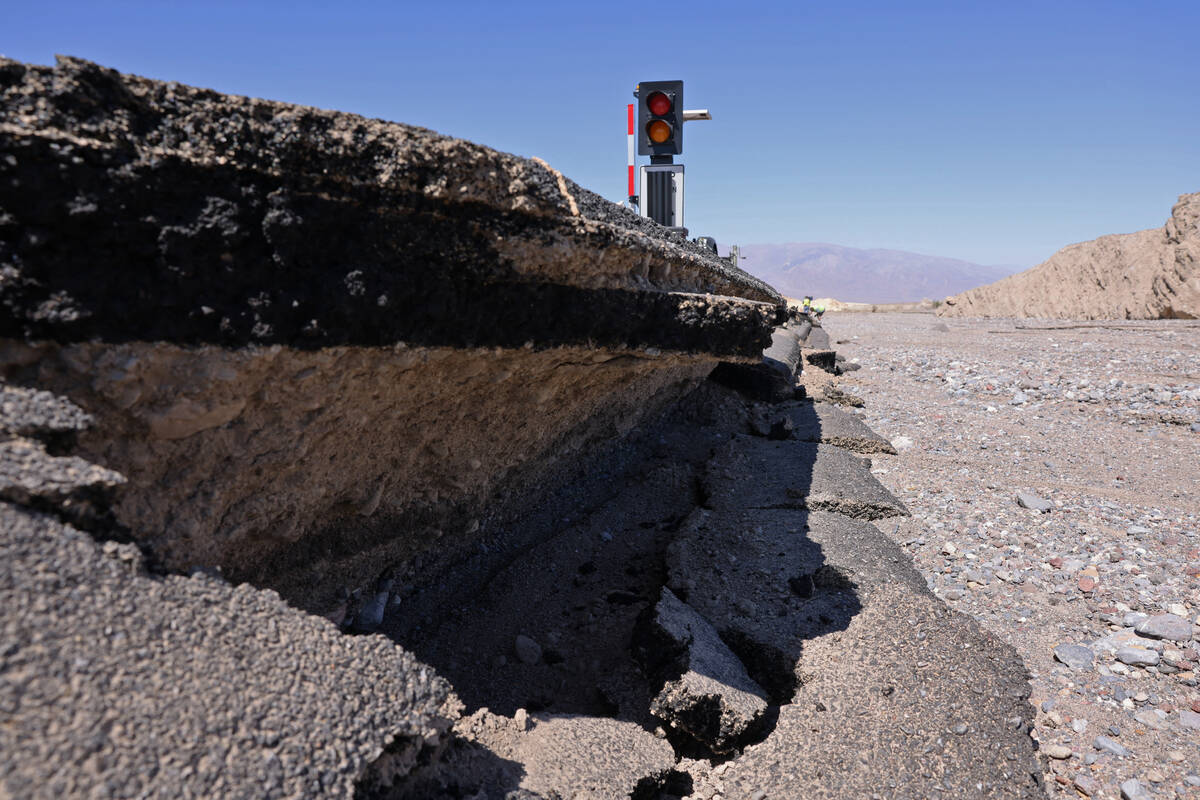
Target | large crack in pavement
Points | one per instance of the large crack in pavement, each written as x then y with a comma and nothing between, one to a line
707,629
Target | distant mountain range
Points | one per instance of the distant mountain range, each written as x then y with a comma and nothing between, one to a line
868,276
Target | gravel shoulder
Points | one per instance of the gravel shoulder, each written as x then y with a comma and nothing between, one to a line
1051,472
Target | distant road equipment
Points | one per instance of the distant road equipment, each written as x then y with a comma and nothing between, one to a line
658,133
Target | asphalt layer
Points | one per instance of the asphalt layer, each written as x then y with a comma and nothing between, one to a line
228,219
118,683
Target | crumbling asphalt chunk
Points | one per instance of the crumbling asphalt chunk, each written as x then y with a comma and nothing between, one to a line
546,756
38,414
73,489
821,359
822,422
757,473
177,686
705,692
783,355
832,394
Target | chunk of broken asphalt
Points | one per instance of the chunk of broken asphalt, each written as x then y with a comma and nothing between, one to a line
822,422
706,692
753,473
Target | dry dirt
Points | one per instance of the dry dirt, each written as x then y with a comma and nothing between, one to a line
1151,274
1102,423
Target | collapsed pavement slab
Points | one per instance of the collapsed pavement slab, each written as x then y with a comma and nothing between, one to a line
706,692
755,473
315,344
890,692
825,360
822,422
773,378
761,579
817,339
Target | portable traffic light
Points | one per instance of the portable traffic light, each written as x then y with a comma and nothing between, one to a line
660,118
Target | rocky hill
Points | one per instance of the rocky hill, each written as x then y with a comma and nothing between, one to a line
1151,274
865,276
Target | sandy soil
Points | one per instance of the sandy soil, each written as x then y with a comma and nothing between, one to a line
1100,424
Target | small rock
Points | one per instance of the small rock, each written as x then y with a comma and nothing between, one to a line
1150,718
1166,626
902,443
1075,656
1059,751
522,719
1154,776
528,651
1189,719
781,429
1109,746
1033,502
1132,790
1134,618
1137,657
1086,784
1087,583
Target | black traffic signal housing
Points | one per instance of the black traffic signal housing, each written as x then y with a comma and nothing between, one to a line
660,118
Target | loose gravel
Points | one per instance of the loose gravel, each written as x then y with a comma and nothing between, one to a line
1051,469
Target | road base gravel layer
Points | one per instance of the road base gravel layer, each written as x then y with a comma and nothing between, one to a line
1051,472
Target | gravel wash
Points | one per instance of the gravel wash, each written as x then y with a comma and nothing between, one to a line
1051,470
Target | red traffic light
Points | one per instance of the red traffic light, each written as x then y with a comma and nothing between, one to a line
658,103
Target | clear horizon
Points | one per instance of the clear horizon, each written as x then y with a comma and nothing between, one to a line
991,133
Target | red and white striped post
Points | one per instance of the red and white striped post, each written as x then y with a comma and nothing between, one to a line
632,149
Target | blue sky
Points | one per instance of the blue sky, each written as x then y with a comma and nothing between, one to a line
995,132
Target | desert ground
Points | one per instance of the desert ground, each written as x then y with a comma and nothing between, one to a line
1096,428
